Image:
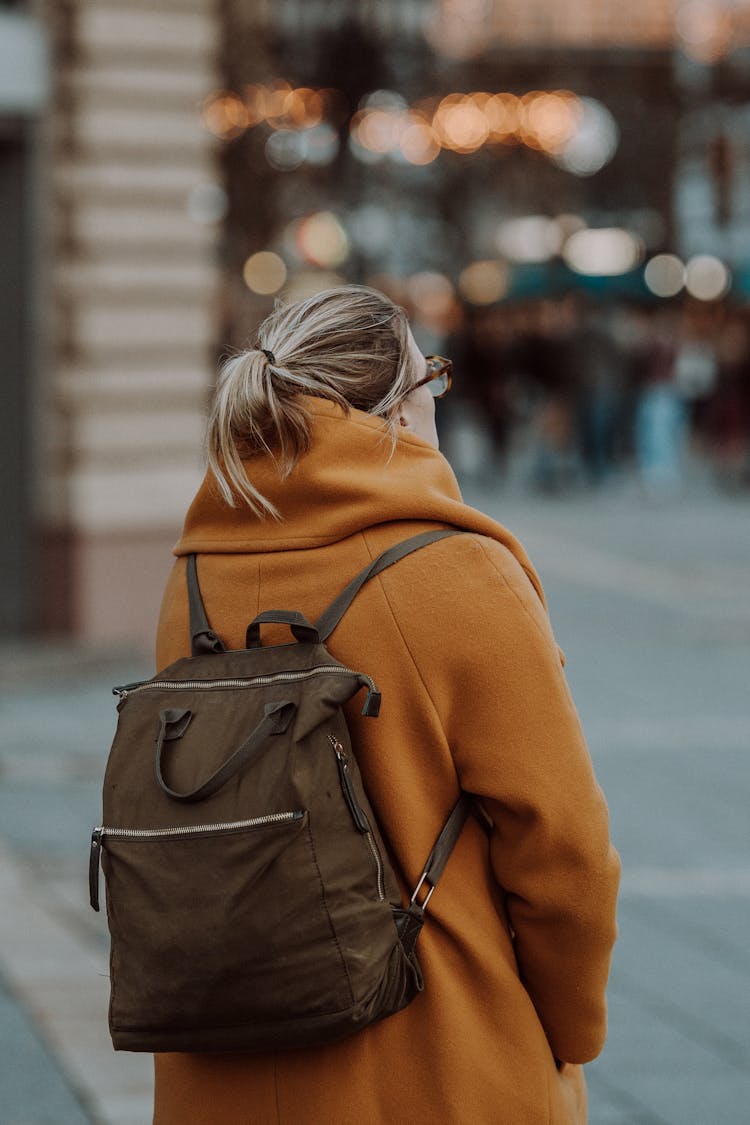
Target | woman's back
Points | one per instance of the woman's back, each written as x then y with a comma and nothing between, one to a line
516,946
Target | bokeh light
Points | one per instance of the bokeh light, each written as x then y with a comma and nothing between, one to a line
275,101
460,124
264,272
417,140
504,113
550,120
224,114
285,150
384,99
304,107
532,238
279,106
594,141
321,144
322,240
254,100
707,278
665,275
379,129
484,282
432,295
579,134
603,252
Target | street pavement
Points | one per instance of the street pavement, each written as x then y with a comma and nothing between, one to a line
651,603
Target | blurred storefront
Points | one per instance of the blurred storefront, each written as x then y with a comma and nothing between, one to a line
558,193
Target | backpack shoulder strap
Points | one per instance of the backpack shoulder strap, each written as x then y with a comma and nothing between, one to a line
203,640
328,620
409,921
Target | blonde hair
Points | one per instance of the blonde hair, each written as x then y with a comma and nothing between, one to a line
349,345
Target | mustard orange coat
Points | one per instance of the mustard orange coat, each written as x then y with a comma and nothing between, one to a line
516,948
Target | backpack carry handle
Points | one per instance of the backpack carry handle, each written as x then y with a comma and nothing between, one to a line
174,723
302,629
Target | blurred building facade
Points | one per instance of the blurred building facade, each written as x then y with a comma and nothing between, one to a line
158,162
24,80
120,291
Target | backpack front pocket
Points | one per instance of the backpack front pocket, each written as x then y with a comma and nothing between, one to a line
217,926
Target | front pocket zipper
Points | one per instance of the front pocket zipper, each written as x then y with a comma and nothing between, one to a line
371,707
359,816
188,831
342,761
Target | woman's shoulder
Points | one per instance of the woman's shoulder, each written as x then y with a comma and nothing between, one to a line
471,559
473,583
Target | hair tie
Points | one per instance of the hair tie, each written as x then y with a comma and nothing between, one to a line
269,356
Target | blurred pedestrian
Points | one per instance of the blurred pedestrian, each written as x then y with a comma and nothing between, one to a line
728,412
541,360
661,417
599,374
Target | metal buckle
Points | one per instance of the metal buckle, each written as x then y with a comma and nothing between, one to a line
418,888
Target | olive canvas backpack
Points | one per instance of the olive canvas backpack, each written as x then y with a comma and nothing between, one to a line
250,900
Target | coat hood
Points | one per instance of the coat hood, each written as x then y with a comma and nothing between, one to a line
350,480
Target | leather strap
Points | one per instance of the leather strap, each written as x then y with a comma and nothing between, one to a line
203,640
410,919
442,848
328,620
301,628
174,723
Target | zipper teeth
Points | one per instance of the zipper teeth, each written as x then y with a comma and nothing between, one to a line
368,835
378,865
207,685
135,833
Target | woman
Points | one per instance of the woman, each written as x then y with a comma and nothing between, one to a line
323,453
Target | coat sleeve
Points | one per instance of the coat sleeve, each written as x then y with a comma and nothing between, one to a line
517,743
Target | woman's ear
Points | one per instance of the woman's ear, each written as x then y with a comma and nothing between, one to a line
415,414
400,415
396,414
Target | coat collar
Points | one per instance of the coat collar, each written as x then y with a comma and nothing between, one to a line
351,479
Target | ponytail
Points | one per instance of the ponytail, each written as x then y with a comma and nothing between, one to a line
348,345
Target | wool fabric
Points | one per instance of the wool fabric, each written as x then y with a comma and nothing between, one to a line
516,947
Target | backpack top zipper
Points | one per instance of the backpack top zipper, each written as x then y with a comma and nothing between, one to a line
371,706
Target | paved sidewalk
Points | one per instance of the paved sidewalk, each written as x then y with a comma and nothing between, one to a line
652,606
58,1064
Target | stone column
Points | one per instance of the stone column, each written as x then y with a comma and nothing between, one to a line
132,316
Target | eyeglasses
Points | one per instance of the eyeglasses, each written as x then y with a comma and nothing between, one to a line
439,377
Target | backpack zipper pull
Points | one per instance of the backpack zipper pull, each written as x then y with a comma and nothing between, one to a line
94,858
372,702
124,690
342,761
